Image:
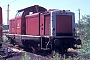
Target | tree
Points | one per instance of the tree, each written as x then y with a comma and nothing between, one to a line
84,29
85,26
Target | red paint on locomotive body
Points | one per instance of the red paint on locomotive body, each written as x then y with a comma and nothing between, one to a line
18,25
38,24
12,26
50,23
0,21
32,24
42,25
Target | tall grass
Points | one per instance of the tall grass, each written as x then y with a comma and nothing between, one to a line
56,56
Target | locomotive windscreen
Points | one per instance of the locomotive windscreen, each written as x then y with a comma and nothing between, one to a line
64,25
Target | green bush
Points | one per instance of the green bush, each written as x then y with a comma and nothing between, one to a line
25,57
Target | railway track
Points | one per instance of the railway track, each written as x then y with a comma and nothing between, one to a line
16,53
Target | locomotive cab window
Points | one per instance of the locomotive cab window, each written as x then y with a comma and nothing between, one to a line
30,13
19,13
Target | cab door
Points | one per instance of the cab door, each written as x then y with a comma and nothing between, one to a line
47,24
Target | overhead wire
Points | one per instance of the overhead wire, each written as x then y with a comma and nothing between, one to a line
12,1
6,3
1,1
9,3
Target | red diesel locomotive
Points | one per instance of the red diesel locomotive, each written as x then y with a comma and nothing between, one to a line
37,28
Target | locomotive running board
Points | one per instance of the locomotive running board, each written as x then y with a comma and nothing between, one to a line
36,37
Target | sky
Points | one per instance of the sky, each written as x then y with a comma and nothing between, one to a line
72,5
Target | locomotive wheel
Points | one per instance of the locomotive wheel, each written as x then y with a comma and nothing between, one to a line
25,44
0,45
11,41
33,50
28,47
78,42
59,46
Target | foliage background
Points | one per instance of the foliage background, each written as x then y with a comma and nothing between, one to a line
83,30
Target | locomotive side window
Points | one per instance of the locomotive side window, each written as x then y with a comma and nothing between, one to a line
30,13
19,13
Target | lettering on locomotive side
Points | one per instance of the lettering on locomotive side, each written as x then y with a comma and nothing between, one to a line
18,25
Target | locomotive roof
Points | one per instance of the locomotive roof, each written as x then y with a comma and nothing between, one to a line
35,8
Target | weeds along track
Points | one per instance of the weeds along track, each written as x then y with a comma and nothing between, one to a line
14,52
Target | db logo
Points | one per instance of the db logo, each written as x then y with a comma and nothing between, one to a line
18,25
